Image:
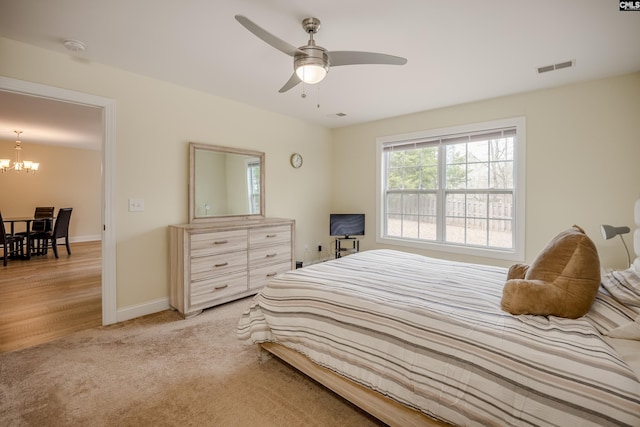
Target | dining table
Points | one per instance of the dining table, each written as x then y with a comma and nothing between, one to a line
28,220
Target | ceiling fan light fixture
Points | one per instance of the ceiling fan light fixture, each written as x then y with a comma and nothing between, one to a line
311,74
313,66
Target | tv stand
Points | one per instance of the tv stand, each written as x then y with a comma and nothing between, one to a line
342,247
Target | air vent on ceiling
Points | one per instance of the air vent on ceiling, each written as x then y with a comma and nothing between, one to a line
337,115
558,66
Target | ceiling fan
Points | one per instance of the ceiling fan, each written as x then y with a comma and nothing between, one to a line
311,62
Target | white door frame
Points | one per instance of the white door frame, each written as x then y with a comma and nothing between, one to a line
109,303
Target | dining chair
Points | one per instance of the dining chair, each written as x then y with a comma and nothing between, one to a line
11,245
60,230
38,227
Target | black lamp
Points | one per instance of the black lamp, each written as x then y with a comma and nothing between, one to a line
609,232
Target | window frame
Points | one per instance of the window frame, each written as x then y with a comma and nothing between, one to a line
519,192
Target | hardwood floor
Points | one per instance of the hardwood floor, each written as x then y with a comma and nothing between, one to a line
45,298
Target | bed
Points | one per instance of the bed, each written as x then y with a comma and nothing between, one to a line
421,341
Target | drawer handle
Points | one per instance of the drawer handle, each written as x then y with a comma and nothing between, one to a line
220,242
218,288
271,274
272,255
221,264
271,235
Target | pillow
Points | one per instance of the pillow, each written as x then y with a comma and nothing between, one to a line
617,302
630,331
562,281
623,285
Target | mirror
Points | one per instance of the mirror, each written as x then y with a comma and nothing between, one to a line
225,182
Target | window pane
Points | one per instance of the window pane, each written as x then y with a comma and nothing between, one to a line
478,175
456,153
478,151
428,204
394,179
394,225
455,218
502,175
501,149
428,228
412,157
500,233
477,205
394,203
395,158
410,204
455,206
501,221
454,230
429,156
411,177
501,206
476,219
456,177
477,232
429,177
410,226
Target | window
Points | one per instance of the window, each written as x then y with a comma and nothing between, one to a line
253,180
458,189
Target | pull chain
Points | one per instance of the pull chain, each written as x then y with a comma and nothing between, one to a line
304,94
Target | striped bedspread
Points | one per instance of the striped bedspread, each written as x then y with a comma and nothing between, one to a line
430,333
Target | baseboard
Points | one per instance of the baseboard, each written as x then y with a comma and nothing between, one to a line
78,239
138,310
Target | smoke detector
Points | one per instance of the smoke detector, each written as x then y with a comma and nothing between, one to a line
74,45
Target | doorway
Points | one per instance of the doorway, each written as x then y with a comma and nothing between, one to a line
108,251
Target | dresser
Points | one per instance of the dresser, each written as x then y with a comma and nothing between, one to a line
213,263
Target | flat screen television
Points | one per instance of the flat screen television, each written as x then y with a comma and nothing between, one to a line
346,225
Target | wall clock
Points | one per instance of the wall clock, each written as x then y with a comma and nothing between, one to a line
296,160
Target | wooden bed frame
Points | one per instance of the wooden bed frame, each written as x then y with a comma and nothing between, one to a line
383,408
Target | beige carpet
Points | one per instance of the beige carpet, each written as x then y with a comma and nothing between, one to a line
163,371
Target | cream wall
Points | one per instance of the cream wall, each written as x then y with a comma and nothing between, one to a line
154,123
68,177
582,150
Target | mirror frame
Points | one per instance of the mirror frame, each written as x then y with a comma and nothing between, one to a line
193,146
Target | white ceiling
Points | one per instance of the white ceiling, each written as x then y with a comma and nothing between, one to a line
458,51
47,121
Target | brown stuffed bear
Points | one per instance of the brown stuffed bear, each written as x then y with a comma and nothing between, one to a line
562,281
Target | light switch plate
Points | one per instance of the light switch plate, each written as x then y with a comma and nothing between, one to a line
136,205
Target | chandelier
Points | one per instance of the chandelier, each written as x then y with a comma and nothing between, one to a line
18,164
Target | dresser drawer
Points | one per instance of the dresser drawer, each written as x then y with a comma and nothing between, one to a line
270,235
205,291
258,277
210,263
269,255
216,265
218,242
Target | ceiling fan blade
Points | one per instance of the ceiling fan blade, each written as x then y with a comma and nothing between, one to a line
355,58
293,81
267,37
